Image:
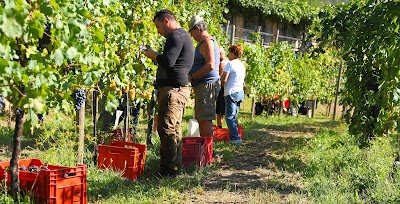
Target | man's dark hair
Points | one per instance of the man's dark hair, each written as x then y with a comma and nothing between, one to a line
165,13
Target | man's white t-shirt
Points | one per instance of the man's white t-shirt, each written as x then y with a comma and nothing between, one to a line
235,81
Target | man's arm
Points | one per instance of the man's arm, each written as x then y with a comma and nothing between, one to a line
172,49
207,50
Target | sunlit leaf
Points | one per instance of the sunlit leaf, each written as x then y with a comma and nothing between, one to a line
58,57
11,27
71,53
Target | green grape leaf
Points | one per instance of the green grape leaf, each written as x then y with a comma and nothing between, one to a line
58,57
32,117
88,80
37,104
71,53
112,103
99,35
3,65
11,27
396,95
45,8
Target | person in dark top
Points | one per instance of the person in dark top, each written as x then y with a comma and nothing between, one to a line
174,64
220,105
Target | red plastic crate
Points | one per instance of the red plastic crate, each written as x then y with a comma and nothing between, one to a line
117,135
222,134
119,158
193,154
57,184
142,152
202,140
209,150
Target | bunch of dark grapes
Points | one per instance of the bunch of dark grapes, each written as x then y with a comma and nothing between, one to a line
80,97
23,168
33,168
45,40
71,69
40,117
2,103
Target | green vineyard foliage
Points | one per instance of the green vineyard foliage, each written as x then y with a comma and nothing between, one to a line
367,35
50,48
297,76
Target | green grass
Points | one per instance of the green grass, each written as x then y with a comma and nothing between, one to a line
338,171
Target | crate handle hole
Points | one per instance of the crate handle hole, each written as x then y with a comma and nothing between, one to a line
66,175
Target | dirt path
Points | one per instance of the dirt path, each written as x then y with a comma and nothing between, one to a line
266,170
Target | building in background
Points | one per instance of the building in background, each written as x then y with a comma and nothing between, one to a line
275,21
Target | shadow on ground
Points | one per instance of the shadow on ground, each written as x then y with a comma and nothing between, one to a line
270,159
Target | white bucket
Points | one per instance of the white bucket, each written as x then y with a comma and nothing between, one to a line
193,129
118,115
309,113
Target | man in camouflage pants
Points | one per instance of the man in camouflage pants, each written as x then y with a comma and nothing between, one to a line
173,91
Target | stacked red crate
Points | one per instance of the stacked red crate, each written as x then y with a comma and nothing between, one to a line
142,152
193,154
197,150
222,134
119,159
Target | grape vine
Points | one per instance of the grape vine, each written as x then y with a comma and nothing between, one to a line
367,35
278,70
52,48
49,49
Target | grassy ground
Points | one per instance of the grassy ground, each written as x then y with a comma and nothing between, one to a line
283,160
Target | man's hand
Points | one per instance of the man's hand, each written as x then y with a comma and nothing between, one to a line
151,54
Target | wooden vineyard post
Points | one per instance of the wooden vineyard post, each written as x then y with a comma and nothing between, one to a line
227,26
94,115
280,108
275,29
314,107
277,36
233,35
150,122
253,107
81,129
328,109
337,92
126,119
19,125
